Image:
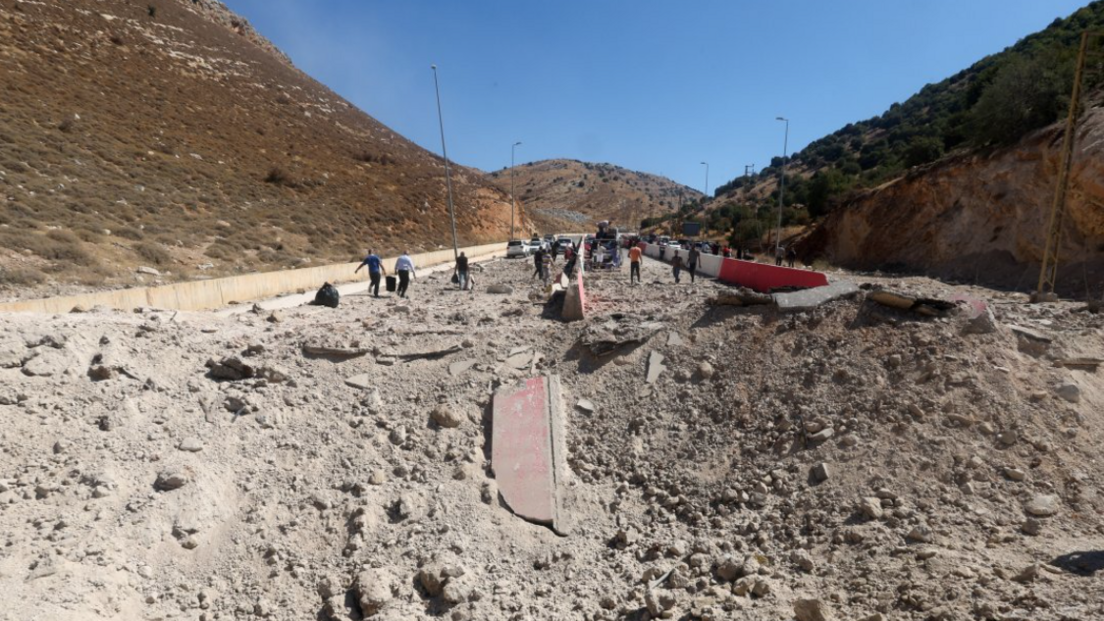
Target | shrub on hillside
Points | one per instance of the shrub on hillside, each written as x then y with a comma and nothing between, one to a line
153,253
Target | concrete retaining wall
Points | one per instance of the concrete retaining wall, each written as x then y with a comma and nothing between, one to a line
220,292
758,276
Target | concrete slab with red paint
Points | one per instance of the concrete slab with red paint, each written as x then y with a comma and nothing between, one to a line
527,450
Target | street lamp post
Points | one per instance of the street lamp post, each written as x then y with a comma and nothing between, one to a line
781,187
513,202
706,164
444,153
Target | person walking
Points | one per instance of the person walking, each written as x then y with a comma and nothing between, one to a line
791,256
676,266
779,254
461,271
569,260
404,267
538,263
546,268
634,264
375,268
692,261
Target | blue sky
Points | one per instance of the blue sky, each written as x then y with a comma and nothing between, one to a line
655,86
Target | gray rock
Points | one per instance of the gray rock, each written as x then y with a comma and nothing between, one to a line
921,534
655,367
1070,392
871,508
169,480
374,590
148,270
362,381
812,610
500,288
1042,505
585,405
984,323
191,445
821,472
705,370
821,436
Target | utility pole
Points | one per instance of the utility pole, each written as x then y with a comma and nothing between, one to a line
782,187
513,201
706,164
1048,272
444,153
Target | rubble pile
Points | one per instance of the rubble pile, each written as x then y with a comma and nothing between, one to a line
932,459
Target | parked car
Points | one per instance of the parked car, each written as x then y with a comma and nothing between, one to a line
517,248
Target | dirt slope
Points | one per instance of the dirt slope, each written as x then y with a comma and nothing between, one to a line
185,142
872,460
586,193
982,217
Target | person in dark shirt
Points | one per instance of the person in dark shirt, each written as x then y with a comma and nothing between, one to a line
375,270
461,271
538,263
692,261
676,266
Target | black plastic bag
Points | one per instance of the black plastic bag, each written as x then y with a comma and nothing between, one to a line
327,296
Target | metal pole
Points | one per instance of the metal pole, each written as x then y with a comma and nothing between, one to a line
444,153
513,202
706,180
1048,272
782,187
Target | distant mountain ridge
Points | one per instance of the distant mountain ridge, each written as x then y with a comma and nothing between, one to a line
585,191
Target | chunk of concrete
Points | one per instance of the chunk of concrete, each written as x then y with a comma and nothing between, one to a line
527,450
459,367
655,366
807,299
574,307
359,381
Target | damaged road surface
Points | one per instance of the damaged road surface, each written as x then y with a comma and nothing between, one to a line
528,450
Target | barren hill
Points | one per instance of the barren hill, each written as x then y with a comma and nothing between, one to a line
170,135
587,192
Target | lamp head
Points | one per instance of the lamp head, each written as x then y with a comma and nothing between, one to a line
780,119
433,67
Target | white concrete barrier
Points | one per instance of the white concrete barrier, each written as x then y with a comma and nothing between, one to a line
221,292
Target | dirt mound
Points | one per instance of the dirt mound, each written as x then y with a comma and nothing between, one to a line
173,137
854,461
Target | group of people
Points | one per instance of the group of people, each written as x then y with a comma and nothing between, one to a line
788,254
404,269
543,260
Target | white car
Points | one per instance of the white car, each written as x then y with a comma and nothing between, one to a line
517,248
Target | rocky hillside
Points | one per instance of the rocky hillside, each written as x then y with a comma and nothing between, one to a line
584,192
982,217
170,135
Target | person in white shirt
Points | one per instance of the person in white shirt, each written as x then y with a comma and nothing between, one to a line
404,267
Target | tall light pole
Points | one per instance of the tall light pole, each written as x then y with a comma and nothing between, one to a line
444,153
706,164
513,202
781,186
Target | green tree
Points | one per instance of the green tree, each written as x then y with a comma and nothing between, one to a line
1026,94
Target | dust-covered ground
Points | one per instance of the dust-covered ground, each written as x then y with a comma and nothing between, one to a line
849,462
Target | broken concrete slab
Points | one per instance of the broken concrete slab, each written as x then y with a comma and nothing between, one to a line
609,337
585,405
740,297
574,307
808,299
527,451
520,360
358,381
928,307
673,339
460,366
655,366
